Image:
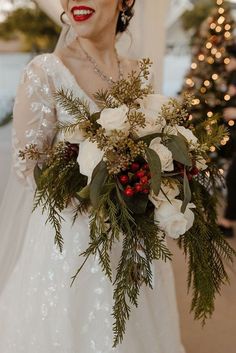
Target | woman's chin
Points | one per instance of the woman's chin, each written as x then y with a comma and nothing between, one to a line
85,31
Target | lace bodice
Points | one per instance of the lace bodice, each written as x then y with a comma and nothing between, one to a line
36,112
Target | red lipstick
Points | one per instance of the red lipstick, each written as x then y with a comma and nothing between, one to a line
82,13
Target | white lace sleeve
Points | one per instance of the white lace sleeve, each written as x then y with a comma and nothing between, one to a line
34,115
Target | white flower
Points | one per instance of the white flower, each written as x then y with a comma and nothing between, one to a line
201,163
164,154
89,157
114,119
190,137
170,130
171,220
151,107
75,136
167,192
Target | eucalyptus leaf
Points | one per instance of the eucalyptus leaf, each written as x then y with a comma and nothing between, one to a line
178,146
84,193
148,138
187,193
37,175
154,163
99,178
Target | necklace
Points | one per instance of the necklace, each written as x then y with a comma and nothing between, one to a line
99,72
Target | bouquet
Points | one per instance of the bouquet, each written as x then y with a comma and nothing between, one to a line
141,172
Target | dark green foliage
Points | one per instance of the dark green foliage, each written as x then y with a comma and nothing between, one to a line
39,31
205,250
57,181
193,18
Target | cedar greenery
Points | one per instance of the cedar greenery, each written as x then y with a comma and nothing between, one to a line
116,218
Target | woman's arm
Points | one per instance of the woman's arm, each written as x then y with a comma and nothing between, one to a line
34,117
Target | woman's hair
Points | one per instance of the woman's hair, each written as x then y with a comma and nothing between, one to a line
129,13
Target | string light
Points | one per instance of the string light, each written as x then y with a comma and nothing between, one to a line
213,51
207,83
212,149
227,97
201,57
227,61
212,25
209,45
227,35
218,29
221,20
221,10
227,27
194,66
195,101
219,2
210,60
231,123
203,90
218,55
189,82
215,77
210,114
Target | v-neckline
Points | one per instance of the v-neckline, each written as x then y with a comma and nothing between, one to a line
67,70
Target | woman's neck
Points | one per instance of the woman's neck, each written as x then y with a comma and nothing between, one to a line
101,48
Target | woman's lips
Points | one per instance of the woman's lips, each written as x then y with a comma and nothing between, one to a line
82,13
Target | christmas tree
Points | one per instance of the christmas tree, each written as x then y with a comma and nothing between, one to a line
207,77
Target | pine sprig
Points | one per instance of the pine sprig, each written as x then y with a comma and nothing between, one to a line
104,99
74,106
127,286
206,250
58,181
141,245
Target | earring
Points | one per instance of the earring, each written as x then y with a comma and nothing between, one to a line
124,18
62,19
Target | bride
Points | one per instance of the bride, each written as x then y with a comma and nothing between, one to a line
39,311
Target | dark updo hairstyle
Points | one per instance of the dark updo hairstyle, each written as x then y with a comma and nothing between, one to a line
128,11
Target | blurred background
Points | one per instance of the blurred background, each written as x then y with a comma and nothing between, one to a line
191,41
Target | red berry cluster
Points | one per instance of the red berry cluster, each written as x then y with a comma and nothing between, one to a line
136,180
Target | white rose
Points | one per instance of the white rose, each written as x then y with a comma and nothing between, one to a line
114,119
164,154
190,137
201,163
167,192
75,136
89,157
171,220
151,107
170,130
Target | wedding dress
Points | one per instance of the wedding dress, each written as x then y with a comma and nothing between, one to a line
39,311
